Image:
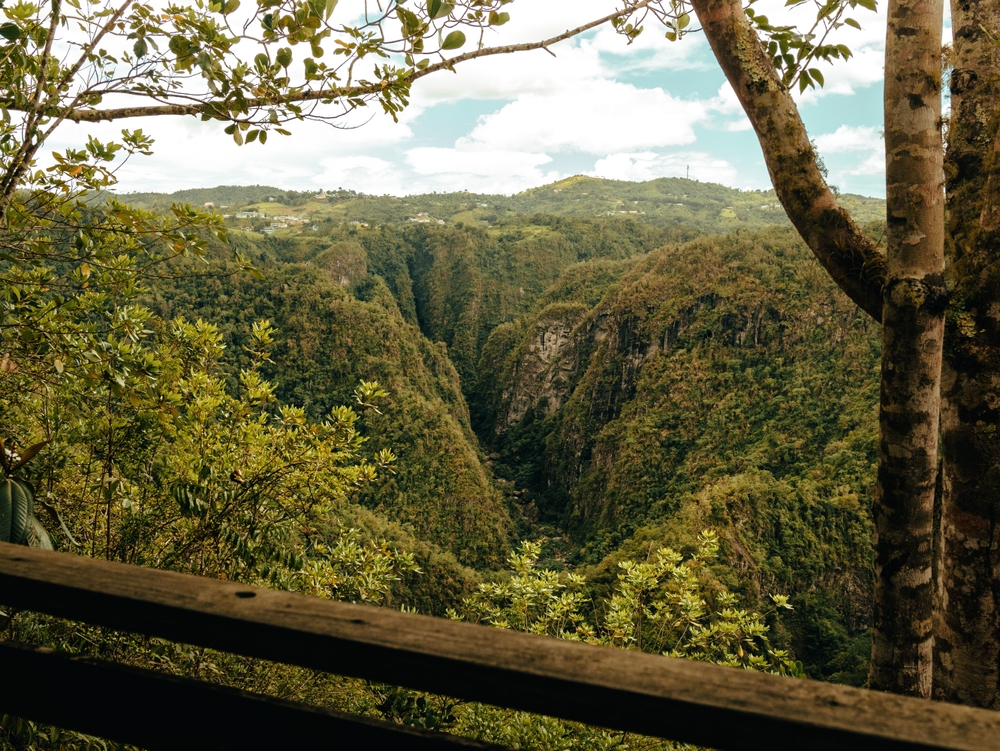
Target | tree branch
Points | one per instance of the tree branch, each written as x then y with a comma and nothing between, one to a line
121,113
834,238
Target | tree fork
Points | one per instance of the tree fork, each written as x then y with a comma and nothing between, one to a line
906,291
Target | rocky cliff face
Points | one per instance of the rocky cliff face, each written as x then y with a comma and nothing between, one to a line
543,371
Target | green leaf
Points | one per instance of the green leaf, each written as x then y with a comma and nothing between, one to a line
230,7
6,499
683,21
439,9
37,536
10,32
411,24
453,41
817,76
852,22
140,48
331,5
28,454
22,507
284,57
869,4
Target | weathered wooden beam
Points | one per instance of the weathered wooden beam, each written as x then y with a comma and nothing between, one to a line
162,712
698,703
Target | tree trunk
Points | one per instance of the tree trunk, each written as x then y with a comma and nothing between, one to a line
906,289
967,621
912,338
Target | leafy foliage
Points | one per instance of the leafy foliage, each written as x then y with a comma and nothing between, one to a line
794,52
667,604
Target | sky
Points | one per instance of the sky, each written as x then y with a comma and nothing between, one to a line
504,124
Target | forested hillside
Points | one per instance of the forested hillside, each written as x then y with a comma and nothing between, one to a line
631,380
723,384
633,414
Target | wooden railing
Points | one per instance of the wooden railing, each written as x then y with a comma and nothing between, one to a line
713,706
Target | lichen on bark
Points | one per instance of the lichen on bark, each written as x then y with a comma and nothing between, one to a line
850,257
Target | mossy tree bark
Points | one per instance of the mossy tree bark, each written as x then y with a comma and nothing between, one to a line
967,619
834,238
912,337
905,288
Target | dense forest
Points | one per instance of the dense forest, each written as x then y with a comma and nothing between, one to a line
636,414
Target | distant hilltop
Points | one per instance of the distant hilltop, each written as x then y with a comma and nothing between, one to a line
665,201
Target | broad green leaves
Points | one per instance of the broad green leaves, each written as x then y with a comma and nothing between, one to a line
439,9
453,41
10,31
18,524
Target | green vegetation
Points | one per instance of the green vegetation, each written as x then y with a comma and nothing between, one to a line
673,431
666,202
723,383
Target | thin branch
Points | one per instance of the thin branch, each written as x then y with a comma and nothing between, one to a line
121,113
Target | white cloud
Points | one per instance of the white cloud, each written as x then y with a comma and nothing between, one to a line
479,171
601,54
857,151
510,76
873,165
366,174
648,165
727,104
739,126
435,161
849,138
190,153
604,117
